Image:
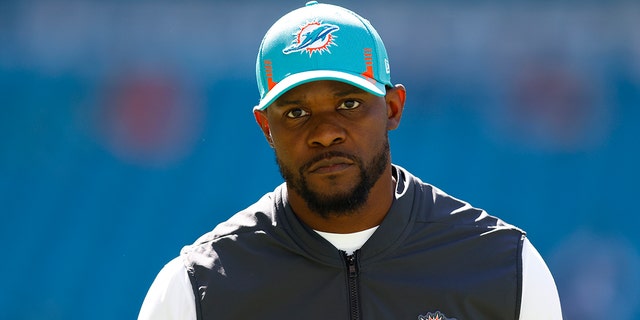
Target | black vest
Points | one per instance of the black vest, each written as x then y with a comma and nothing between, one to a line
433,257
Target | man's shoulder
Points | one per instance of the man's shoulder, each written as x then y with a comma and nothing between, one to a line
256,218
432,205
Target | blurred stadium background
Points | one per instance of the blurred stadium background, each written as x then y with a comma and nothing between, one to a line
126,132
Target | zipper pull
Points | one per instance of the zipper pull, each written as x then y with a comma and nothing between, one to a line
352,284
351,264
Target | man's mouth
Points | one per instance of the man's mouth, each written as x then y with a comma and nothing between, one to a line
329,163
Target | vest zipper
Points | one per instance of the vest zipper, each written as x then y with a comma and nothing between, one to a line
352,284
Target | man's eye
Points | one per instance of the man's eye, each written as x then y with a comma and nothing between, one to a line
349,104
296,113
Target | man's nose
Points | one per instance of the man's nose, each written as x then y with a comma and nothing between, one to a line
326,131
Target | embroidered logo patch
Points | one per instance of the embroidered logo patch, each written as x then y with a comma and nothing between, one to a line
313,37
434,316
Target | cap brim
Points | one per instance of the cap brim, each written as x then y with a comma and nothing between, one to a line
295,80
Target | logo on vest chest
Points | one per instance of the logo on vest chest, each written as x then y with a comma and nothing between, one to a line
434,316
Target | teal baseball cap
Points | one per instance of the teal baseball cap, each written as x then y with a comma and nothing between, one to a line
321,42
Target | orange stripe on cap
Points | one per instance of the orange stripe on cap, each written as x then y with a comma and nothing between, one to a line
368,61
268,72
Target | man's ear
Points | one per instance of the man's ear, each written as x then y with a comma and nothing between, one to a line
395,99
263,123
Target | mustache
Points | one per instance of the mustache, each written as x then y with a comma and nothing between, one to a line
327,155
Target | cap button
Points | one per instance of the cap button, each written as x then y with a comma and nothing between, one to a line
310,3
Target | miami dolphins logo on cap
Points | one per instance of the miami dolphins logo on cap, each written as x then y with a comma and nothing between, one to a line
313,37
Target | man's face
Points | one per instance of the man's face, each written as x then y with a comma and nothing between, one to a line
331,143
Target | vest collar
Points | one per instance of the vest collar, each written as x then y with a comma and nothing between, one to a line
394,227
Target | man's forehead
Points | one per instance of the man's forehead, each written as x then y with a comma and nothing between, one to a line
337,88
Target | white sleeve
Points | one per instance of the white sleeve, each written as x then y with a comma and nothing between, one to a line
540,300
170,297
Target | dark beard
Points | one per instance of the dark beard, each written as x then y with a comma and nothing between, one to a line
343,203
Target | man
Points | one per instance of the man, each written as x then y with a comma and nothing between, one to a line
348,235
